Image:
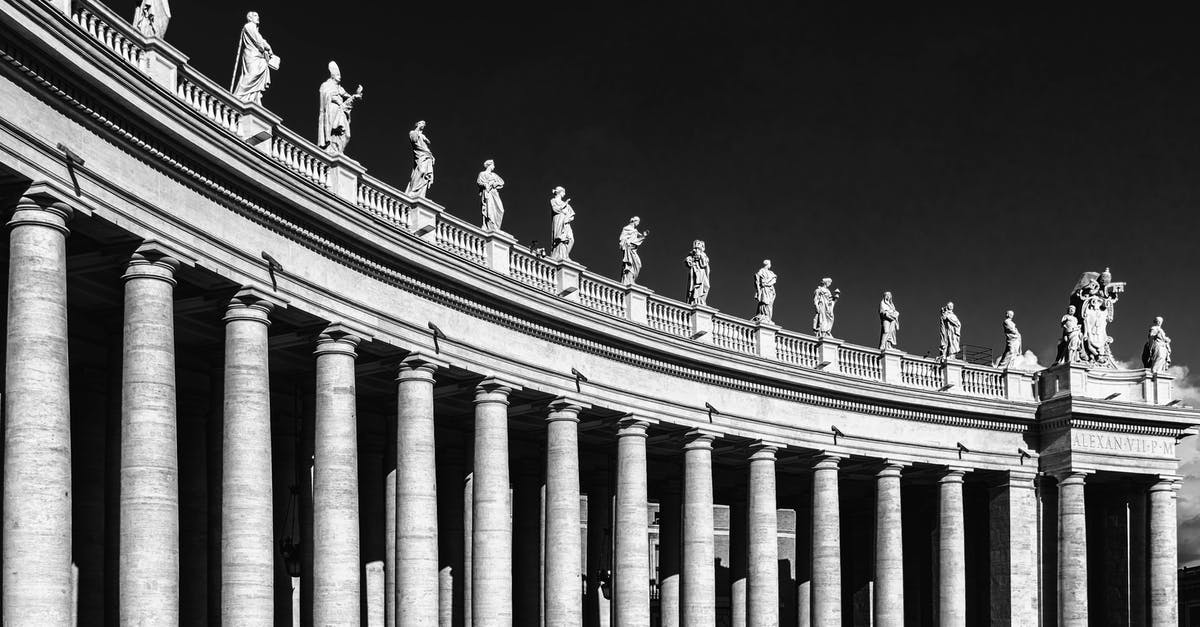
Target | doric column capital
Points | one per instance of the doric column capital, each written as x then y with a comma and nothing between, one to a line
152,264
418,366
953,474
337,339
764,450
634,426
699,439
1166,482
494,390
1071,477
566,407
826,460
42,210
251,303
892,468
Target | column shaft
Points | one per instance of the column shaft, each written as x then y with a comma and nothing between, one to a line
698,588
491,531
1072,552
952,561
762,567
336,579
669,539
149,546
247,523
889,549
1013,537
389,556
564,544
417,585
1164,559
631,544
826,581
1139,527
37,421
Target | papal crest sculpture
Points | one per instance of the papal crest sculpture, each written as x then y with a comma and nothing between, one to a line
1094,297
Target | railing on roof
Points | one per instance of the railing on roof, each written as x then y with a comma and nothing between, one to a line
300,156
602,294
211,101
530,269
794,348
459,238
734,334
389,204
669,316
922,373
860,362
111,31
983,381
383,201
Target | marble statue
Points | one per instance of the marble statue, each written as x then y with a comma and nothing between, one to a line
422,172
1157,354
823,303
697,263
151,17
333,124
764,293
1095,296
951,333
1072,340
889,322
491,206
252,70
1012,341
630,240
562,238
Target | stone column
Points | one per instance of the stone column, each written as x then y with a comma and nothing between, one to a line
336,580
631,542
527,538
669,533
698,587
417,585
1139,527
491,530
1014,552
1164,559
149,546
564,544
762,568
1072,552
37,420
826,581
389,556
889,547
952,552
247,522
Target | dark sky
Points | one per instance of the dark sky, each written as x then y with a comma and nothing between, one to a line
985,157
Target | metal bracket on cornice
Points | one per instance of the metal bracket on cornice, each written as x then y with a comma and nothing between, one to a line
579,378
823,365
425,229
437,333
567,292
946,388
711,411
72,160
699,334
837,433
1024,454
272,267
1112,396
1174,402
962,449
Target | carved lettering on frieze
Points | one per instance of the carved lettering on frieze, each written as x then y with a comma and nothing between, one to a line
1120,443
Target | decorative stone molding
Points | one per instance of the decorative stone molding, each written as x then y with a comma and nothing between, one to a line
344,174
635,302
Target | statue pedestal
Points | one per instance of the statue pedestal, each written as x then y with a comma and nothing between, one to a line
568,279
635,303
702,323
257,126
497,247
344,173
764,339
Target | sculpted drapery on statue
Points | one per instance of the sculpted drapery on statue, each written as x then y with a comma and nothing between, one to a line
951,333
151,17
1095,296
823,303
562,238
889,322
1157,354
764,293
1072,341
422,172
698,284
333,124
252,70
630,240
489,196
1012,341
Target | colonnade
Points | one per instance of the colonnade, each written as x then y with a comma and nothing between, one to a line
37,583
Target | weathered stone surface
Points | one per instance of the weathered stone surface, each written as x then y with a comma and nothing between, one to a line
631,561
491,537
762,564
697,597
889,548
564,544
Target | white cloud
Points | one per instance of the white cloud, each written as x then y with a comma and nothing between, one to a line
1028,362
1187,387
